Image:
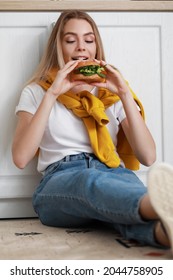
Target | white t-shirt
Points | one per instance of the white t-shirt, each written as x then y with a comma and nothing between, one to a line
65,133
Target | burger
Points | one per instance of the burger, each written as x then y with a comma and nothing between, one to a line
88,71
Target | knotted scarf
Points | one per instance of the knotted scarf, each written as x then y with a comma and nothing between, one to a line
91,110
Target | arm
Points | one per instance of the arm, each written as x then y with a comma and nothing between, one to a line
30,128
133,125
137,132
29,132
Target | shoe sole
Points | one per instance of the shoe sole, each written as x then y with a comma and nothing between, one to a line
160,189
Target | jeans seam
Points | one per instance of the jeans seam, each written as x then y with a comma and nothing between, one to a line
54,196
96,209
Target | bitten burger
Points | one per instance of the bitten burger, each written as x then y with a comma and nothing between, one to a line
88,71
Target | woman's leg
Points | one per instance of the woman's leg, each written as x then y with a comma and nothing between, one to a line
80,189
153,234
86,188
146,210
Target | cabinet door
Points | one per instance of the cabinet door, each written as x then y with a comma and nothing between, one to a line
22,39
138,44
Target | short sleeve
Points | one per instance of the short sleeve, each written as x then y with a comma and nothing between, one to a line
121,115
30,99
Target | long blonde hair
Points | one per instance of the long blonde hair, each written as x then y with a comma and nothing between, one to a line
53,55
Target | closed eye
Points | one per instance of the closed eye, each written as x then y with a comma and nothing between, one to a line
70,42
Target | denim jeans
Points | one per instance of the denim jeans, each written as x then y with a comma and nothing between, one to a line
79,189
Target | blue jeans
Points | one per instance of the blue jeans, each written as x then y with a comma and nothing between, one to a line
79,189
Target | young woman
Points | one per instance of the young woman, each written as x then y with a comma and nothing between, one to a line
84,176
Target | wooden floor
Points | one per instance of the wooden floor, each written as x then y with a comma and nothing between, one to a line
28,239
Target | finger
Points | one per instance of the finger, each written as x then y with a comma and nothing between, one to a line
69,67
99,85
96,60
101,62
77,83
70,64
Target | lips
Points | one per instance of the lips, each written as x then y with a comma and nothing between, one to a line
79,58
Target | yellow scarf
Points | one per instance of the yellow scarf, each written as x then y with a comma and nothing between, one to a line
91,110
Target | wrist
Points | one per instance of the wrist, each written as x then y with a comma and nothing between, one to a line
125,95
53,92
50,95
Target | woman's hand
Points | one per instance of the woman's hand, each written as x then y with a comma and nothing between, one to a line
62,82
114,80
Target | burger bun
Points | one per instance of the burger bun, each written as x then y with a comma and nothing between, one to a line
94,78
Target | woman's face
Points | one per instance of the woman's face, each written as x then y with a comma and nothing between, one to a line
78,42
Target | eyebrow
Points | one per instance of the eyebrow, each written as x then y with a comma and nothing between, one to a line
73,33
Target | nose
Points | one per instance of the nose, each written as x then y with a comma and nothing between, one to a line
81,45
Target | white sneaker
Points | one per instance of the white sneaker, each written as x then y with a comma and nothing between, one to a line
160,188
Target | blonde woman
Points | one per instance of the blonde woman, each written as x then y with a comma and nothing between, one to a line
86,174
